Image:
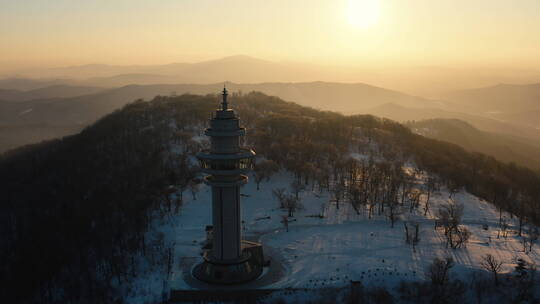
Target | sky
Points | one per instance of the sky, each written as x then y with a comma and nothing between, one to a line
44,33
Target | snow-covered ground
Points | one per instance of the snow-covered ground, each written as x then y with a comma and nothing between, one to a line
345,246
329,252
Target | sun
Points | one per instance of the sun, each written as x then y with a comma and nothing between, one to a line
363,13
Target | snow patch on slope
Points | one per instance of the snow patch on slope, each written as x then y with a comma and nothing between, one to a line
346,246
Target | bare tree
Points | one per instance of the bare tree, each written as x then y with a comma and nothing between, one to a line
521,203
414,199
412,234
529,239
280,194
323,210
525,277
503,228
439,271
431,185
416,238
406,186
258,175
393,211
292,203
449,217
356,198
492,265
287,201
454,188
338,190
285,221
533,236
297,186
462,236
525,243
194,188
263,170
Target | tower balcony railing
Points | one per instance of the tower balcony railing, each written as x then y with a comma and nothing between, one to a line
218,181
226,164
221,133
243,153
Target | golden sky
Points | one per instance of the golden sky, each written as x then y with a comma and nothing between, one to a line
374,33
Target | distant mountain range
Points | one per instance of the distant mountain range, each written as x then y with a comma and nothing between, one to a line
404,114
515,103
84,109
64,100
429,81
503,147
54,91
61,109
27,84
240,68
73,107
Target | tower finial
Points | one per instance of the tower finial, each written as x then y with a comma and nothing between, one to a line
224,105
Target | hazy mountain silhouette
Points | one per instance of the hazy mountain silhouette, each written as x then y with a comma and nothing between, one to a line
63,104
504,100
234,68
55,91
430,81
12,136
503,147
348,98
73,113
531,118
25,84
403,114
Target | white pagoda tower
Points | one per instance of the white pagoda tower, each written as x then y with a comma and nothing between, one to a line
229,260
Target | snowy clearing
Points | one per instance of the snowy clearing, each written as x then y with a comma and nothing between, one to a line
343,246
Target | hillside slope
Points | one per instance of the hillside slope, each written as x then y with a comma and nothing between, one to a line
13,135
79,111
314,253
103,202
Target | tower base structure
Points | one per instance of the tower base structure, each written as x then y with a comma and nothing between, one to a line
246,268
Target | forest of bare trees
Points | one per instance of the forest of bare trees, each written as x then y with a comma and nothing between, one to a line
75,210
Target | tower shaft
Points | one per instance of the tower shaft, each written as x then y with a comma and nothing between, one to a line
226,219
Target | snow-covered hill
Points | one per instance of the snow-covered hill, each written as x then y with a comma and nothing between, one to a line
114,205
343,245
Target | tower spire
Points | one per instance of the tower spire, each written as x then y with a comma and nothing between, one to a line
224,104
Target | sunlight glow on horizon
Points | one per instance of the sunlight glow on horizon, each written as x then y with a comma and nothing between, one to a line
357,33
